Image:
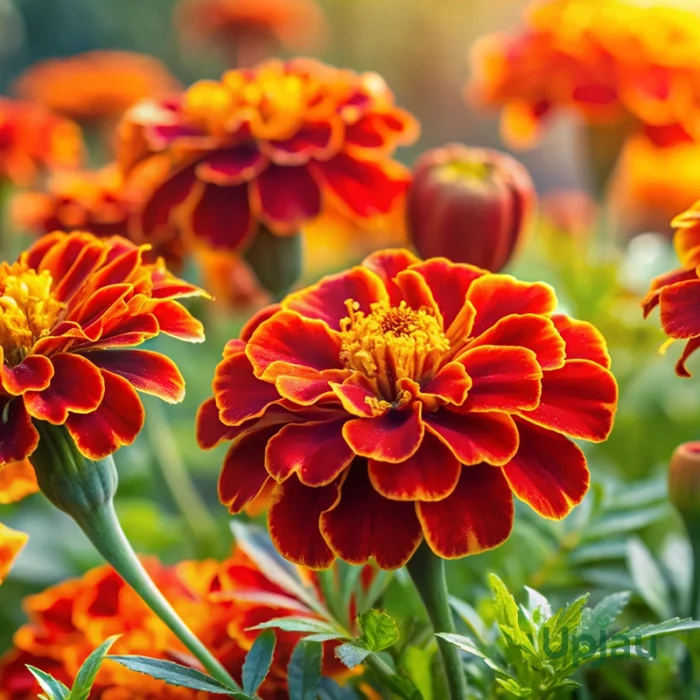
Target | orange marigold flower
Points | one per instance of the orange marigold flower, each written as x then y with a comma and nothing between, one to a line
388,403
73,307
219,601
607,60
677,293
33,140
253,27
273,146
96,85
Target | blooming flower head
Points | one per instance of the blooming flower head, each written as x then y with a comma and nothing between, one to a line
33,141
390,403
606,60
96,85
273,146
219,601
677,293
73,308
249,28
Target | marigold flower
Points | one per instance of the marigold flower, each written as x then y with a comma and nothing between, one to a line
472,205
677,293
253,27
96,85
33,140
273,146
220,601
73,308
606,60
11,543
391,401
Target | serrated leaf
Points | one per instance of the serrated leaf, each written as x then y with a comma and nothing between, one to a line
297,624
304,672
648,579
85,678
536,601
258,661
379,630
50,685
351,655
603,615
512,686
177,675
466,644
505,606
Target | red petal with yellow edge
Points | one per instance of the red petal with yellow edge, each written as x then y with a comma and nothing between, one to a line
222,217
253,322
316,140
288,197
368,132
175,320
316,452
357,398
651,300
578,400
386,264
11,544
165,200
583,340
79,273
118,271
325,301
364,187
503,379
210,430
18,436
231,166
77,386
449,283
536,333
98,305
497,296
364,524
34,373
291,339
475,437
116,422
239,394
133,331
416,293
680,309
690,347
17,480
146,370
293,522
393,437
549,471
430,475
243,474
451,384
307,390
460,525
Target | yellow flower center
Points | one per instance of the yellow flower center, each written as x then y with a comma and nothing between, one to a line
392,343
28,310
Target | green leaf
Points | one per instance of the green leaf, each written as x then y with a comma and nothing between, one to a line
396,681
466,644
299,624
330,690
52,687
417,664
506,607
602,616
620,523
258,661
177,675
304,672
648,579
351,655
379,630
662,629
88,671
536,601
602,550
471,619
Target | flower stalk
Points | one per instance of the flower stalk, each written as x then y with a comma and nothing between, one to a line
84,489
427,571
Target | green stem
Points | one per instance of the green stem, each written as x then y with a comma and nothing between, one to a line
428,573
103,529
694,606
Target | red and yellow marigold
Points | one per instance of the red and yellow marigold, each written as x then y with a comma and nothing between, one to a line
272,146
389,403
33,141
73,308
677,293
609,61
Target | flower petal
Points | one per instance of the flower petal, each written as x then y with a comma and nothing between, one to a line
11,544
475,437
357,398
430,475
680,309
210,430
161,206
34,373
451,385
651,300
17,480
548,472
583,340
316,452
459,525
392,437
307,390
222,217
293,522
231,166
18,436
175,320
363,524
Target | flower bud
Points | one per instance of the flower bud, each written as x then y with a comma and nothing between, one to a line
276,260
471,205
684,483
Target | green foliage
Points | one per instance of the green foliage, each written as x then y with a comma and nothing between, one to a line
304,671
258,661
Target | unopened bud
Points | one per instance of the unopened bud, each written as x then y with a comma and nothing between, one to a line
276,260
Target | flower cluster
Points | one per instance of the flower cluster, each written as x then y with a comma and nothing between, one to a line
389,403
608,60
219,601
273,146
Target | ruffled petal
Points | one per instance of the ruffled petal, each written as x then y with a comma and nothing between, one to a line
450,385
680,309
18,436
161,206
583,340
17,480
357,398
232,166
175,320
651,300
11,544
460,525
222,217
34,373
210,430
307,388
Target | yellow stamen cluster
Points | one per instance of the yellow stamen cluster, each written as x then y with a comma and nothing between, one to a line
392,343
28,310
